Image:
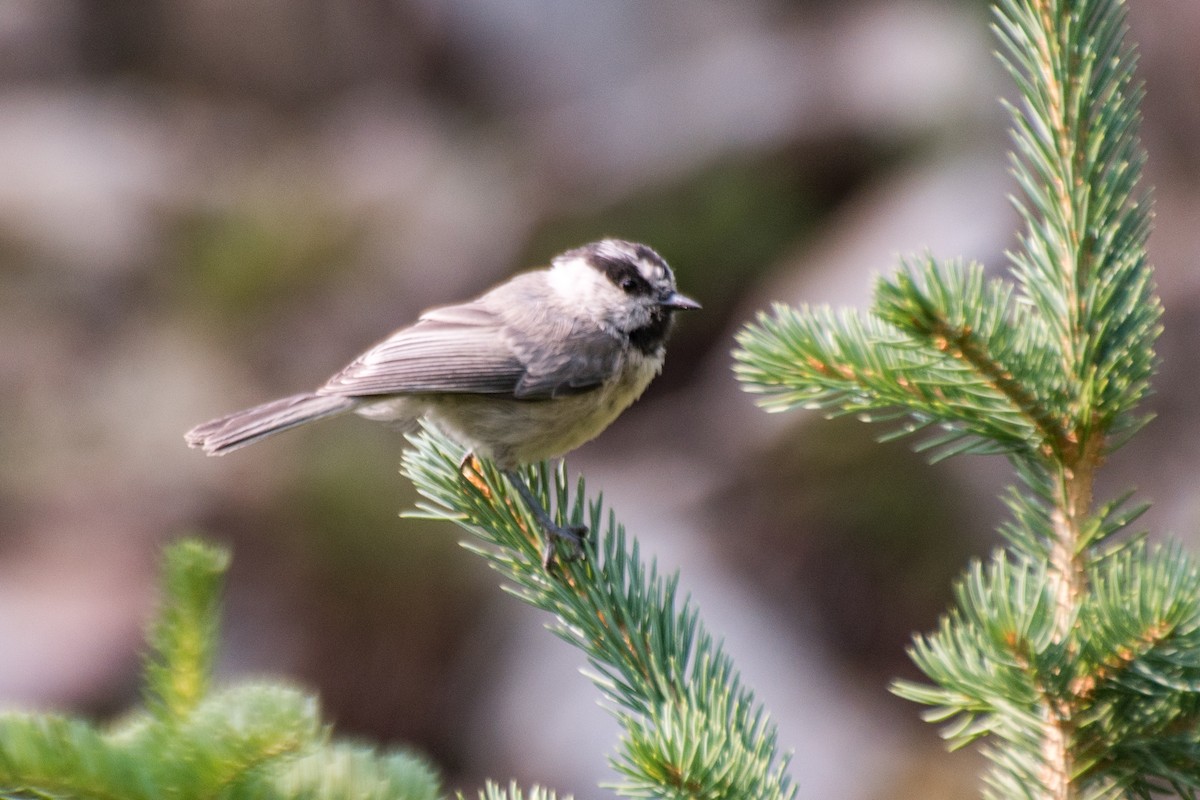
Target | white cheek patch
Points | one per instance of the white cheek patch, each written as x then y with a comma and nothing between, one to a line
580,286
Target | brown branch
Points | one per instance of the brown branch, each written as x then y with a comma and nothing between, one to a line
1058,760
963,345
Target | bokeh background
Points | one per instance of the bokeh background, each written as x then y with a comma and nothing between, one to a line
208,203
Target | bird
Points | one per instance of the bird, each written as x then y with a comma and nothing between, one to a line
528,371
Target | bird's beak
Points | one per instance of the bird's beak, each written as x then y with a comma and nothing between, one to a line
678,302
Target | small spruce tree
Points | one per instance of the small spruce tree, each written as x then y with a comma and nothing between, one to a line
191,740
1073,653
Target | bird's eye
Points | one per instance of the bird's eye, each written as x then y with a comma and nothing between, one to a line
628,284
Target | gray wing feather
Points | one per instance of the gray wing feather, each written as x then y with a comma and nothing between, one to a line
459,349
579,364
485,347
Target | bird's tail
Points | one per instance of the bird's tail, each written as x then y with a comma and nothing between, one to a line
241,428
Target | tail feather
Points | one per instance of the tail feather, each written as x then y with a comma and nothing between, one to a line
241,428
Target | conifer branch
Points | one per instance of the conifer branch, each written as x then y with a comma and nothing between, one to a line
972,323
964,345
1078,162
859,364
183,638
692,729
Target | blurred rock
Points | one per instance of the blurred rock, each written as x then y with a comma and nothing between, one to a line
38,39
75,595
82,172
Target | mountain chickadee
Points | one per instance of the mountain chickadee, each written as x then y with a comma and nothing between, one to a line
528,371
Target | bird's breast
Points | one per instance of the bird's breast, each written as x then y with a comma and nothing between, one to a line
514,432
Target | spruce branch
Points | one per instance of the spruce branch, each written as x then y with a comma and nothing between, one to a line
953,310
183,638
941,345
51,755
692,730
1078,161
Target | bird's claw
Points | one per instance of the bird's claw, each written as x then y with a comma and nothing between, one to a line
551,530
574,534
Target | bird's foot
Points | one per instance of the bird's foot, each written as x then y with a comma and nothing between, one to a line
573,534
551,530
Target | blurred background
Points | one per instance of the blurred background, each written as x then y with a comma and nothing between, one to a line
208,203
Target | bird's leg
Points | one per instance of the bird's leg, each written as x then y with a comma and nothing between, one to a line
571,533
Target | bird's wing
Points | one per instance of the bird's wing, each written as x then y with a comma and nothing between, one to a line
456,349
570,360
507,342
